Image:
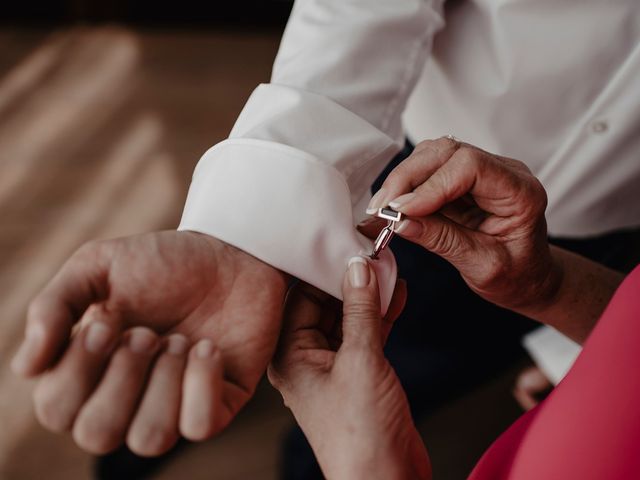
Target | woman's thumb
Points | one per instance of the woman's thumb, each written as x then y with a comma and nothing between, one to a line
439,235
361,321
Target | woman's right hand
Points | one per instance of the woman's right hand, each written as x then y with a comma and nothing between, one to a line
483,213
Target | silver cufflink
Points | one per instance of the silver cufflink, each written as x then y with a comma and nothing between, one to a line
387,233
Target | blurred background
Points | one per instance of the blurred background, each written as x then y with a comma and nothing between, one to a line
105,108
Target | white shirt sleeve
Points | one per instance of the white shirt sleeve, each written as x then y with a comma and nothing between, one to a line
301,157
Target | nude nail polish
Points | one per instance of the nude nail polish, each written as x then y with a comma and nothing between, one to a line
402,200
358,272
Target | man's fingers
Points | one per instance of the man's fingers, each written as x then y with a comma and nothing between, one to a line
154,429
396,306
102,423
62,391
531,384
427,157
81,281
304,313
371,227
202,390
361,321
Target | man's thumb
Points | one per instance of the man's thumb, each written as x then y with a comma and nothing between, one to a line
361,321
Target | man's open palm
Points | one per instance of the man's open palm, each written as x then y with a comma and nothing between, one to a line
127,372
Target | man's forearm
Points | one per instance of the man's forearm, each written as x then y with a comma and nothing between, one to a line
581,293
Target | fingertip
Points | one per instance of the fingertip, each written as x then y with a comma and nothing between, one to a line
142,340
202,392
177,344
360,273
205,350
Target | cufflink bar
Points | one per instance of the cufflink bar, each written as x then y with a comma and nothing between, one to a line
386,234
389,213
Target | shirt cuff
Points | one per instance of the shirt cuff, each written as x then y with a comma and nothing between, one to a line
285,207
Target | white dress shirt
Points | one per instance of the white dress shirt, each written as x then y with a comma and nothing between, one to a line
554,84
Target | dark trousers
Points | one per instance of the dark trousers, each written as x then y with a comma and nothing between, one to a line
448,339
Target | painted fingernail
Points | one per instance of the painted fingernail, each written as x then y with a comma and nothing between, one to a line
32,341
177,344
358,272
402,200
98,337
376,201
204,349
408,228
142,340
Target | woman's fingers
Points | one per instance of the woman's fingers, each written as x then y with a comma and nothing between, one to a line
61,391
443,237
154,429
361,321
497,185
427,157
202,390
102,423
51,315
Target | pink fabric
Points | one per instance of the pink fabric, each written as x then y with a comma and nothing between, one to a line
589,427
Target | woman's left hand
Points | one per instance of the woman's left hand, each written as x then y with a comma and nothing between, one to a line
331,371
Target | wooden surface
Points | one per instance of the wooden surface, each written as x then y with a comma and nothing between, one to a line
100,129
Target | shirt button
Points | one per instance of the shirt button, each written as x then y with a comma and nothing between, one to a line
599,126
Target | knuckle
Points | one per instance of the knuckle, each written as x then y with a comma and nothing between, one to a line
360,308
444,242
445,142
94,250
281,383
532,196
495,267
540,194
424,144
275,378
520,165
37,311
468,158
437,144
90,248
395,176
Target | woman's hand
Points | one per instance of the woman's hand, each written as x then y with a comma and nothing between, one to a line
485,214
481,212
332,373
